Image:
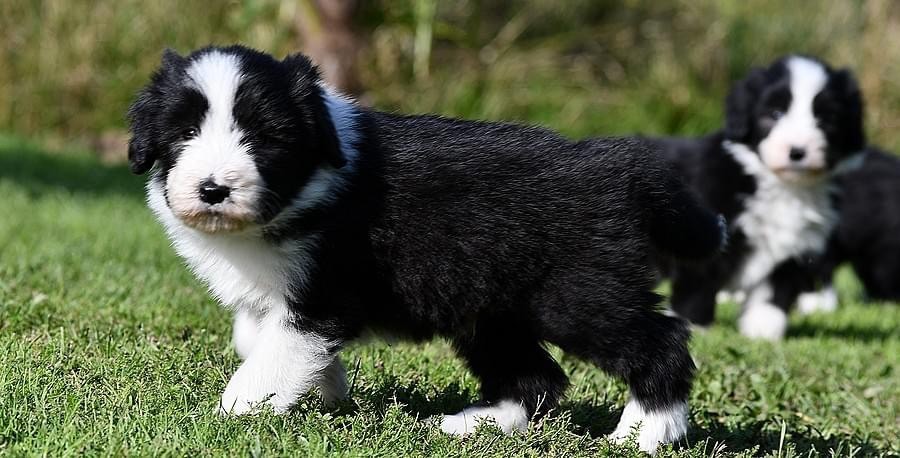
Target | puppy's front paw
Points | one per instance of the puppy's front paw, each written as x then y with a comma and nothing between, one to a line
235,403
825,300
510,416
457,425
763,321
247,394
651,428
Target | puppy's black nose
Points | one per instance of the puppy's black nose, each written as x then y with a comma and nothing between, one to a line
212,193
797,154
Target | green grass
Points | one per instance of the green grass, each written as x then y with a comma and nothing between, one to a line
108,346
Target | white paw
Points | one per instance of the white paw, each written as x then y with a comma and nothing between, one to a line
247,394
510,416
762,320
824,300
655,427
256,385
457,425
234,405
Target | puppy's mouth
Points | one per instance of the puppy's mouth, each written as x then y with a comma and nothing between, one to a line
216,220
800,173
214,211
221,218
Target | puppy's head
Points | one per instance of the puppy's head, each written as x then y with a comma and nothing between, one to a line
799,115
233,133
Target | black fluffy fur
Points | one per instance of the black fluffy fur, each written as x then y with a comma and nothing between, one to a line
499,237
868,234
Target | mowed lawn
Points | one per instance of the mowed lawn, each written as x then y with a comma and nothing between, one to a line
108,346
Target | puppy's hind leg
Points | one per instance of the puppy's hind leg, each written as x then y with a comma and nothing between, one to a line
658,368
694,290
649,351
519,380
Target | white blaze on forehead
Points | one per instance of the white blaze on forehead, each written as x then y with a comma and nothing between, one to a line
216,76
808,78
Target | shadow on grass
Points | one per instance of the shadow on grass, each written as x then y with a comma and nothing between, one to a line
420,400
592,419
850,331
599,420
756,435
416,399
40,172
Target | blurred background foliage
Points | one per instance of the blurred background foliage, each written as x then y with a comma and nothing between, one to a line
69,68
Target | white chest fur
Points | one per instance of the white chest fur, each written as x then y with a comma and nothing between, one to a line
242,271
781,220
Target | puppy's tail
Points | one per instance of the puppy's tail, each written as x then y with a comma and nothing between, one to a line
679,224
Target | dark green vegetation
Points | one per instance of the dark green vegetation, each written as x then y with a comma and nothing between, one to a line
587,67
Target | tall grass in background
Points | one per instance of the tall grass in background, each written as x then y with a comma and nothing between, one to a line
69,68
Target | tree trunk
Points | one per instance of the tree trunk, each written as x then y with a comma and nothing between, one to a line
329,36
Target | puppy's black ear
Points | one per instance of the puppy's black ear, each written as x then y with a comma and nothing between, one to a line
309,96
739,112
844,83
171,59
143,149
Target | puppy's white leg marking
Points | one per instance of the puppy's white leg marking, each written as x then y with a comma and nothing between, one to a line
333,384
510,416
763,320
760,318
245,333
283,364
655,427
824,300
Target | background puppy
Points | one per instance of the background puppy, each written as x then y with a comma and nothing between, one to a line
317,220
867,235
790,128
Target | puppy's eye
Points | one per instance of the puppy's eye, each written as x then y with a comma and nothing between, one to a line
776,114
189,133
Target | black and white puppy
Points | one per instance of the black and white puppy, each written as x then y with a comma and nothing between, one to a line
318,221
867,235
790,129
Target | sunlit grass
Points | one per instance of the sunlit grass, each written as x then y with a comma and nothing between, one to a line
109,346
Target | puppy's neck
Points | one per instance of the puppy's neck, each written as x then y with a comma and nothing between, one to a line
344,114
327,183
